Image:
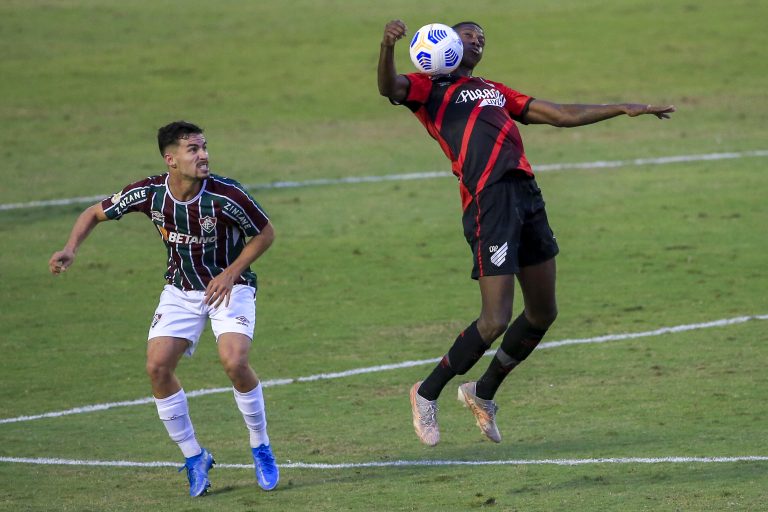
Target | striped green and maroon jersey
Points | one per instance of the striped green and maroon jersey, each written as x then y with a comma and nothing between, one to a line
473,121
203,236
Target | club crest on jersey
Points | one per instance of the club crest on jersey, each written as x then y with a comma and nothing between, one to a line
158,217
208,223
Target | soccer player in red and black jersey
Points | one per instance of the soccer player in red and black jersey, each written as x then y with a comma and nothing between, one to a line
505,223
213,231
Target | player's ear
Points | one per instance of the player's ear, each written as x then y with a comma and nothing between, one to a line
170,159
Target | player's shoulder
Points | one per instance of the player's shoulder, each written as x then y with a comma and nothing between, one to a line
219,180
150,182
223,185
495,83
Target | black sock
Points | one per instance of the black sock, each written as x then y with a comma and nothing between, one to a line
519,341
465,352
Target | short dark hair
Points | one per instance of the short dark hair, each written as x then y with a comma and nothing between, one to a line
457,25
170,134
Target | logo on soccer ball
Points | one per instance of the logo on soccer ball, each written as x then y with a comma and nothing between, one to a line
436,49
208,223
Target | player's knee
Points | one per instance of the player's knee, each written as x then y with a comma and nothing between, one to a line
236,368
542,319
493,326
158,371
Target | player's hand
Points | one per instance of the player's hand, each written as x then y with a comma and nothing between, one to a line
219,290
61,261
393,32
662,112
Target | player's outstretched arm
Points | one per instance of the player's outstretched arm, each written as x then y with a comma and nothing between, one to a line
220,287
61,260
391,85
555,114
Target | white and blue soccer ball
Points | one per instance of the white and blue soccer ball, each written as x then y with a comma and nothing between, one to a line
436,49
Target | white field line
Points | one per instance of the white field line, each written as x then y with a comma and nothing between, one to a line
397,366
402,463
600,164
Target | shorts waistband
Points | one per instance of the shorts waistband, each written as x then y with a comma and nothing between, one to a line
515,175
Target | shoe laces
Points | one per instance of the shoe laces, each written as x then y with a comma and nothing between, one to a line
427,412
265,456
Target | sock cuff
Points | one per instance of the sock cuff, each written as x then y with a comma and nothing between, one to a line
173,406
176,398
254,394
524,324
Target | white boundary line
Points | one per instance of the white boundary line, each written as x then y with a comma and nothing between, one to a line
405,364
600,164
401,463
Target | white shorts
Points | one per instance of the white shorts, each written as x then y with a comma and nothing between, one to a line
182,314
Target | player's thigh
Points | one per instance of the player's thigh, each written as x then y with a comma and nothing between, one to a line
165,352
492,228
238,317
234,348
537,284
497,294
179,315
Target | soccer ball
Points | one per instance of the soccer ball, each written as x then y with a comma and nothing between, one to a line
436,49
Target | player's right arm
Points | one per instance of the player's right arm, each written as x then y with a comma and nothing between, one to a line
391,85
63,259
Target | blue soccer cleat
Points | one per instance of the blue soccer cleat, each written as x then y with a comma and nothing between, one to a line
197,472
267,474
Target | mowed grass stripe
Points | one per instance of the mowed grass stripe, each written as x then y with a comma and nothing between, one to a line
599,164
395,366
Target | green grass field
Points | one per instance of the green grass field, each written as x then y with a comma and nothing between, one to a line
373,274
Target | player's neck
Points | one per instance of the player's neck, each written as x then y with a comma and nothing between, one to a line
463,71
184,188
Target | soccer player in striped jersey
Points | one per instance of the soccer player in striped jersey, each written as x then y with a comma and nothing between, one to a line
505,223
213,231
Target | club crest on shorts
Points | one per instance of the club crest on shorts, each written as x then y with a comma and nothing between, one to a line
499,254
156,319
208,223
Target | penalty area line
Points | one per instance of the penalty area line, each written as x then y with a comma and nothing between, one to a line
397,366
402,463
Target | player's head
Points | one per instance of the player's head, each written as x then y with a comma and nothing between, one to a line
184,149
473,37
170,134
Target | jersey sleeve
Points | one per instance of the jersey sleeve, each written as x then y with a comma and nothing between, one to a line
420,85
244,210
517,102
132,198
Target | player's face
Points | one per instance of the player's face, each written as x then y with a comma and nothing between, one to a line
474,42
190,157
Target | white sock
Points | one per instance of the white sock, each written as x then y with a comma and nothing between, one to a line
174,412
251,404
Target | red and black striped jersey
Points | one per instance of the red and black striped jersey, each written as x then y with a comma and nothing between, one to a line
204,235
473,120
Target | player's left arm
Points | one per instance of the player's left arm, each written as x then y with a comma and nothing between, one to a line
220,287
569,115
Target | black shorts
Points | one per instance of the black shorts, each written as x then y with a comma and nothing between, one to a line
506,227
